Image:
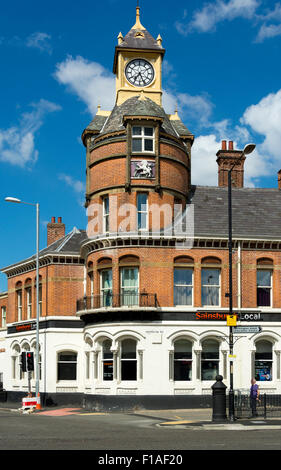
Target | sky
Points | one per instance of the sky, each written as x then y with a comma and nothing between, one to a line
221,70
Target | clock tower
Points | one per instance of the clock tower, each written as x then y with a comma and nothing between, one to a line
138,64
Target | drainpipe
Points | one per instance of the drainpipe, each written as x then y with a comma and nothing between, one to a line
239,296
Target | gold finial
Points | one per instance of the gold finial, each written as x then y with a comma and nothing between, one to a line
138,24
159,40
120,38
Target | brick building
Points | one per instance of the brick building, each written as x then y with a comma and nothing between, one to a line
134,310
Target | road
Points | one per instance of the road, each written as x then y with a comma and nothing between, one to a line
74,430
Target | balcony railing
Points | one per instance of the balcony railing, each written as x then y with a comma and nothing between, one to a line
109,300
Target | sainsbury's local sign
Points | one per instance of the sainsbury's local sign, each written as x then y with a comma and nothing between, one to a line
222,316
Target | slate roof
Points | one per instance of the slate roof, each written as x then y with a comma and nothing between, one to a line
70,244
133,41
97,123
256,212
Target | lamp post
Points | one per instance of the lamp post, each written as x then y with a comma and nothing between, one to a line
249,148
18,201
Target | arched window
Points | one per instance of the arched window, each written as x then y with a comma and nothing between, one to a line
107,360
263,361
129,359
209,359
67,365
182,360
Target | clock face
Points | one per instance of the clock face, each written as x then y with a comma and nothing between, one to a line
139,72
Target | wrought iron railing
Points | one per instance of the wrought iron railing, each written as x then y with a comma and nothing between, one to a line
268,405
109,300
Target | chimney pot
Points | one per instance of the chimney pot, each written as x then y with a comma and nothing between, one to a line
55,231
223,145
230,145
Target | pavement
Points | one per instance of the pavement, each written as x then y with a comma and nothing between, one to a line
181,418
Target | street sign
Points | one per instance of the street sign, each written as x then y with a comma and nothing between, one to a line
232,357
231,320
247,329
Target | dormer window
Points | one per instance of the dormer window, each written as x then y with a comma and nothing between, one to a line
143,139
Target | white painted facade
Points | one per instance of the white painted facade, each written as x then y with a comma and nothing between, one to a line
155,345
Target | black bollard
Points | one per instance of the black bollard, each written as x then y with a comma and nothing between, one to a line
219,400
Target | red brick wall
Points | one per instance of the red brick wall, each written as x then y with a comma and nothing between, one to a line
3,303
157,265
62,286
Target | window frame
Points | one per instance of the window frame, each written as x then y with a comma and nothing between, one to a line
260,269
210,359
140,211
73,362
263,361
105,214
133,288
3,316
107,289
142,137
125,360
19,304
213,286
104,360
183,268
182,360
28,291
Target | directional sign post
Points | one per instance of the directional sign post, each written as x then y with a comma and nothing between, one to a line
247,329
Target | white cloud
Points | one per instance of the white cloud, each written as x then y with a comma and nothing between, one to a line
204,169
17,145
76,185
90,81
40,41
206,19
265,119
198,107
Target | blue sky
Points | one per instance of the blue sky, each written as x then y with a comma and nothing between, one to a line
222,70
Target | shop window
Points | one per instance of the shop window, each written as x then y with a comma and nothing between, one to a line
67,365
143,139
106,287
142,211
210,286
209,360
183,286
107,361
128,359
129,286
182,360
264,282
263,361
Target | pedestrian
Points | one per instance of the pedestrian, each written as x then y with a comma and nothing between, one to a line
254,396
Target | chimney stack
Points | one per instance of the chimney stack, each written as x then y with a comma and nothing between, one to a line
226,158
55,230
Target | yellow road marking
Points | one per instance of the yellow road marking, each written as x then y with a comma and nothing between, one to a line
178,422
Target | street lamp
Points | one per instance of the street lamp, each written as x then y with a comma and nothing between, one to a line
249,148
18,201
